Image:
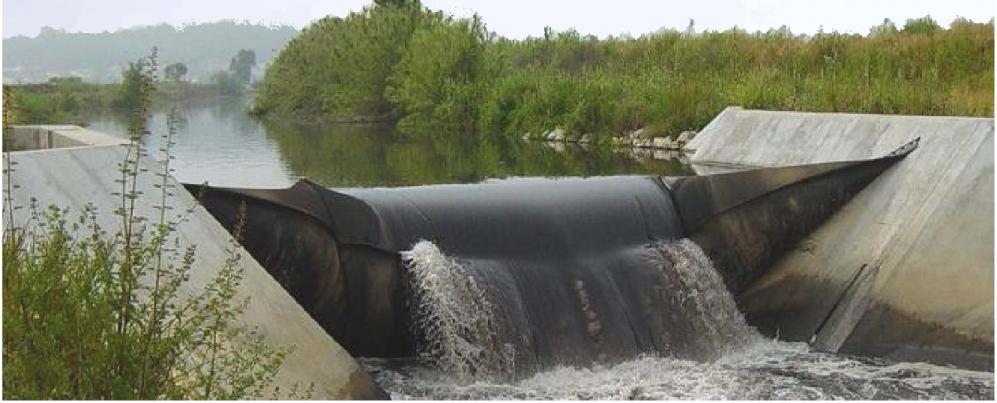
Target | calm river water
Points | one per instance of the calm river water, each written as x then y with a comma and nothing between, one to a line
218,143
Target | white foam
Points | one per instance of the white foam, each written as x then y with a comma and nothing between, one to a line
453,313
765,369
452,316
708,306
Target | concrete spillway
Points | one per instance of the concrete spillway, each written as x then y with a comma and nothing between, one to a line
906,269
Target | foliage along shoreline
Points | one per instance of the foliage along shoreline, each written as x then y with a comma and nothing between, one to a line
440,75
68,99
71,102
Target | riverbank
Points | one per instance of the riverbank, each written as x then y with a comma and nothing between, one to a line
70,100
445,76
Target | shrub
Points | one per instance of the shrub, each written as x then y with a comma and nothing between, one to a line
227,84
91,314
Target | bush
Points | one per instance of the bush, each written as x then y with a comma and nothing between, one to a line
91,314
434,83
227,84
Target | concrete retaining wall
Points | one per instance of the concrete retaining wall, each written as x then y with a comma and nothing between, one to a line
906,269
38,137
71,177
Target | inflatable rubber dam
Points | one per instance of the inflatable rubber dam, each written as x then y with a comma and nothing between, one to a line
510,277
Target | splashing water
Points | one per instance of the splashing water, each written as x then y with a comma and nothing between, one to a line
766,369
454,317
708,307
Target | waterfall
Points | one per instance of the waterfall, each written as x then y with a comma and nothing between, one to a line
453,318
456,317
463,355
706,304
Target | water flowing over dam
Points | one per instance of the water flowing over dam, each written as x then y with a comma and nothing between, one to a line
472,326
574,266
732,360
505,280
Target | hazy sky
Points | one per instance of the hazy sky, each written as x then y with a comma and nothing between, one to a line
511,18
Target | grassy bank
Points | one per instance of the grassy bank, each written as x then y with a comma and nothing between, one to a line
446,76
70,100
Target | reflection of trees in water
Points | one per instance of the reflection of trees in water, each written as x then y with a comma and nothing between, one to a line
377,155
228,108
233,110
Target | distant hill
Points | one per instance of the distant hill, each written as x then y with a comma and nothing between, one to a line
100,57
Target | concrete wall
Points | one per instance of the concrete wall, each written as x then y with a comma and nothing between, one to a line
38,137
71,177
906,269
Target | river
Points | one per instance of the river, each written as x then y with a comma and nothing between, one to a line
216,142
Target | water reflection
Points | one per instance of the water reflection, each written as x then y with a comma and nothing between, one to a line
219,144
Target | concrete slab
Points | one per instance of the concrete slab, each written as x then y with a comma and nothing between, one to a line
906,269
38,137
71,177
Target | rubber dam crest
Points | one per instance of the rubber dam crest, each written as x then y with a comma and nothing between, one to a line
516,276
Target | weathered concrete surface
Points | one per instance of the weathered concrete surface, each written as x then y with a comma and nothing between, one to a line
745,221
71,177
38,137
906,269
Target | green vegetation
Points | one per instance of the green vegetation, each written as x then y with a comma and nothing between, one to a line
69,99
239,75
442,75
241,65
99,57
90,314
227,83
175,71
59,101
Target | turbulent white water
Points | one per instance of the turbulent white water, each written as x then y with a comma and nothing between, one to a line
452,316
710,309
462,361
763,370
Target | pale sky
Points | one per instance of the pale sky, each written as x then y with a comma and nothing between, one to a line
510,18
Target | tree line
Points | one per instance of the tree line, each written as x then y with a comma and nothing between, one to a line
99,57
67,99
437,74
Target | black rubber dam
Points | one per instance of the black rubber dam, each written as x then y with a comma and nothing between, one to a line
517,275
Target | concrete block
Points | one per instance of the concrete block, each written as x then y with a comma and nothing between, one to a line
906,269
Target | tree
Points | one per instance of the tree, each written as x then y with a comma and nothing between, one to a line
226,83
886,28
242,64
175,71
137,78
434,83
396,3
923,25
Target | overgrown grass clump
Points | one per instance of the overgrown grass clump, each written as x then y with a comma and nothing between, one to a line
95,314
446,76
